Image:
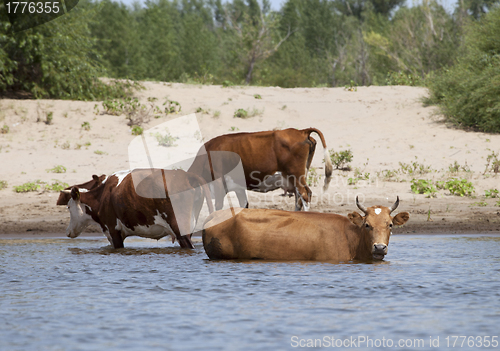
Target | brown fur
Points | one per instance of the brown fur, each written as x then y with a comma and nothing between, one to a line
108,202
63,198
283,235
262,154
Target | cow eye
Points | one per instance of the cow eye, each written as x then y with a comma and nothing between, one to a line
390,225
367,225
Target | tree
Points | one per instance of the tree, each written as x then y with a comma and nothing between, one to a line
257,35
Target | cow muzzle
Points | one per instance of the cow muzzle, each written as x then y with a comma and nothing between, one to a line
379,251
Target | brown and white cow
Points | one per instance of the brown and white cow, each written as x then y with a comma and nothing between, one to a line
150,203
270,160
65,196
282,235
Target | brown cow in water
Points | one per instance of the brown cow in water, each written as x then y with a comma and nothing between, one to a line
270,160
150,203
282,235
65,196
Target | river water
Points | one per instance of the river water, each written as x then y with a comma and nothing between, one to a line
78,294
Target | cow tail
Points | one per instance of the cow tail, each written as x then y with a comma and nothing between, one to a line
328,161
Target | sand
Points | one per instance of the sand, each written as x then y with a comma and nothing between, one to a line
383,126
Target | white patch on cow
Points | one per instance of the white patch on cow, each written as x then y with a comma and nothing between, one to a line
106,178
378,210
79,219
83,190
158,230
121,175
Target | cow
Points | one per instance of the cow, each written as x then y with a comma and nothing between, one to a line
150,203
64,197
313,236
270,159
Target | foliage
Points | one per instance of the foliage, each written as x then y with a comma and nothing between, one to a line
99,152
54,60
49,117
468,94
86,126
241,113
56,186
459,187
166,140
456,167
313,177
400,78
137,130
3,184
491,193
414,168
423,186
341,159
57,169
28,187
172,106
492,163
5,129
257,96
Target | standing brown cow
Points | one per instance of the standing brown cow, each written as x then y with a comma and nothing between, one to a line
270,160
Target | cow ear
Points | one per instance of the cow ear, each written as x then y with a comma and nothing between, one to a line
75,194
401,218
95,177
355,218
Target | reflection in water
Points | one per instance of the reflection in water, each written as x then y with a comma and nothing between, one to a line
62,294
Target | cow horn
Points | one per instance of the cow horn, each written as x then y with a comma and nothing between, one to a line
66,192
361,207
395,205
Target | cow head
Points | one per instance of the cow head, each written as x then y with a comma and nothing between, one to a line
80,217
376,226
65,196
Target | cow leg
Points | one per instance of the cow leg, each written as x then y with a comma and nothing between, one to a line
242,197
218,194
116,240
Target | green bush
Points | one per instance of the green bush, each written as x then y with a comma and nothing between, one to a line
492,193
241,113
423,186
137,130
28,187
468,93
459,187
341,159
399,78
3,184
57,169
55,60
56,186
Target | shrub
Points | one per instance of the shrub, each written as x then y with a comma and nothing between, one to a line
57,169
3,184
341,159
28,187
241,113
137,130
492,163
492,193
414,168
399,78
459,187
313,177
257,96
49,117
166,140
86,126
5,129
99,152
56,186
423,186
468,94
